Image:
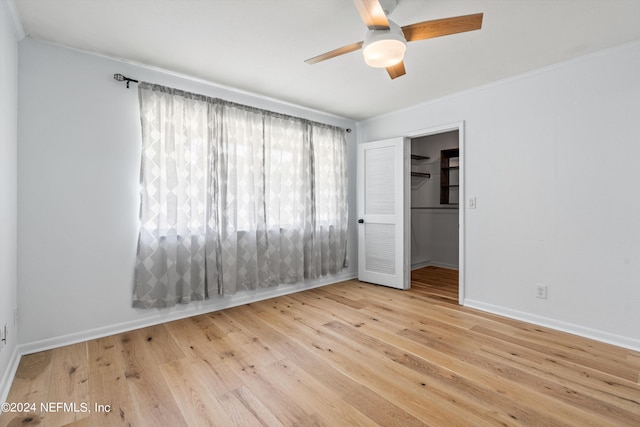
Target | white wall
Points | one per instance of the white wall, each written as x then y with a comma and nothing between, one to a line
78,165
552,157
8,195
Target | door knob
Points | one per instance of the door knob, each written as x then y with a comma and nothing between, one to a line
361,221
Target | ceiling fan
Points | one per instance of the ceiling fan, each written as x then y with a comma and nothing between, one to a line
385,43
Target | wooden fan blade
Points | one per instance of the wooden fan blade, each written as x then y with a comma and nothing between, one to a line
336,52
372,14
397,70
442,27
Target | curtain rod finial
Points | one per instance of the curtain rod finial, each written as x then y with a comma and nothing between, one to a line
121,78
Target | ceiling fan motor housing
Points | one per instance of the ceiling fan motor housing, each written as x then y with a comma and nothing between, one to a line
388,6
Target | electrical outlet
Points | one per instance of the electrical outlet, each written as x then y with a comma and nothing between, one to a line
541,291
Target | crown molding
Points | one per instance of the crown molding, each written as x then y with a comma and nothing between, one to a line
14,18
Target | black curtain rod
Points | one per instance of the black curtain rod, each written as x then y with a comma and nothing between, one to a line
121,78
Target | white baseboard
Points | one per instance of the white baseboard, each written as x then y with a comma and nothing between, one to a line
444,265
7,378
594,334
429,263
420,264
194,309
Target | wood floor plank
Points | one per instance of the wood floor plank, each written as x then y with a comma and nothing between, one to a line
446,381
351,353
30,385
163,347
366,366
314,397
32,378
546,394
197,405
108,384
69,383
153,400
382,411
620,370
601,386
196,340
245,409
316,366
278,400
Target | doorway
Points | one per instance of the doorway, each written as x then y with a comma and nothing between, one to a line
436,232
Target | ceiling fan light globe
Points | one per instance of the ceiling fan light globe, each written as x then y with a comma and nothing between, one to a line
384,53
384,48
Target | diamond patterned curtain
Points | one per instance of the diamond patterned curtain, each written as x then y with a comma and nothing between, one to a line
234,198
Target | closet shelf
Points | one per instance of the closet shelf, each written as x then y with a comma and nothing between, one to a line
417,159
421,175
448,166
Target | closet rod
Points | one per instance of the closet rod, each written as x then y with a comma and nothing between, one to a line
435,207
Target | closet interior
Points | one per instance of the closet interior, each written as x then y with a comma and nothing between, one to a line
435,200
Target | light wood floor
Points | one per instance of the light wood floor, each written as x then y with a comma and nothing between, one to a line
348,354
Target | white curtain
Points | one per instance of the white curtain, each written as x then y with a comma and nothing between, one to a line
234,198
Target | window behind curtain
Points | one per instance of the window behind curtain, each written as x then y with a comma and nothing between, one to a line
233,198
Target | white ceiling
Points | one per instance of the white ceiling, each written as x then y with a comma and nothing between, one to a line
260,45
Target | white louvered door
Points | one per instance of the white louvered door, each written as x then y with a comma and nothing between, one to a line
383,213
